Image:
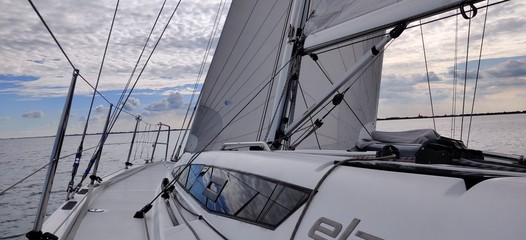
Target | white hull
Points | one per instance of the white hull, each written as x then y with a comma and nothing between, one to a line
352,202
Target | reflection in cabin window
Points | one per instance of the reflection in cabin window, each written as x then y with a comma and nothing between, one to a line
243,196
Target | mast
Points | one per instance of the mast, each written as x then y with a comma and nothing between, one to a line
287,81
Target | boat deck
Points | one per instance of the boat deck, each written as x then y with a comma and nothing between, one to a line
116,205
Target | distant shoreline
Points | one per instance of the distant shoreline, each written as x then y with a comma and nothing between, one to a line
448,116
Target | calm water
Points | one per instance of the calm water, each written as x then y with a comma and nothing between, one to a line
20,157
498,133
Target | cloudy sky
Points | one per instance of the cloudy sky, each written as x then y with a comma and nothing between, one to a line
502,75
34,75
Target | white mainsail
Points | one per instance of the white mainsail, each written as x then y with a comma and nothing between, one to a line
343,125
336,21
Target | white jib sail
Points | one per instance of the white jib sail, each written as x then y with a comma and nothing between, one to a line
233,100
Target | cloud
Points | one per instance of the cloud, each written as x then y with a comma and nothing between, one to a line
11,77
33,114
131,104
173,101
29,50
99,109
511,68
4,118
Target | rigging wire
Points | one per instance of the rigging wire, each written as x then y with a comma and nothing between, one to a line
23,179
310,117
427,74
71,184
100,71
64,52
477,76
465,79
455,82
40,169
51,33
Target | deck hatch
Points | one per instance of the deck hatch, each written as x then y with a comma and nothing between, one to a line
69,205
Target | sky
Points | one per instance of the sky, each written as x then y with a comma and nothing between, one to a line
501,80
34,74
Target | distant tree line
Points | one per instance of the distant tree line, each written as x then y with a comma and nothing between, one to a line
457,115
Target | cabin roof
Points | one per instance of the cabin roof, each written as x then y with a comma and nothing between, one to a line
294,167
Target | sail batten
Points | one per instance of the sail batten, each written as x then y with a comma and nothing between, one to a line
340,21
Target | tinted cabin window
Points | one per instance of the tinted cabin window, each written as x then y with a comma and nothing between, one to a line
243,196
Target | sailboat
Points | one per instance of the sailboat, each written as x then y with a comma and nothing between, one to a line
283,145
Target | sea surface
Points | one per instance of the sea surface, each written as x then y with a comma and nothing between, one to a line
493,133
21,157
